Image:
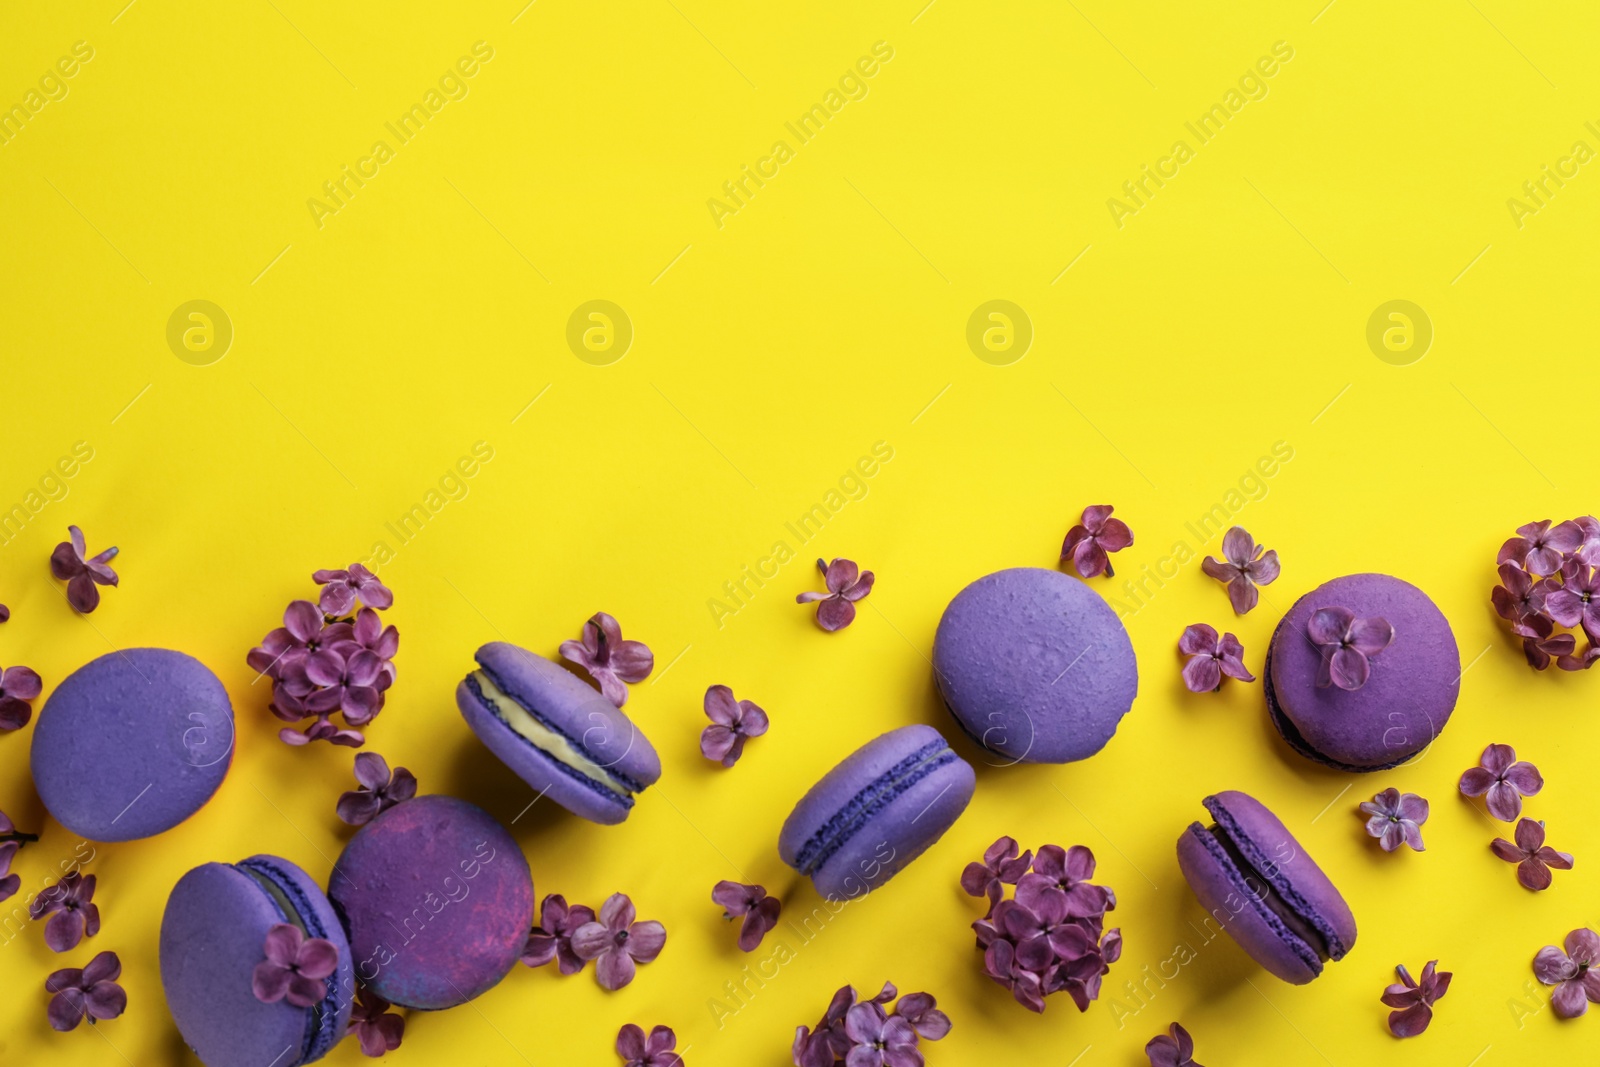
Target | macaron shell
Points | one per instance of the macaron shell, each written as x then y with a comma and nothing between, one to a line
1035,666
212,937
1407,699
132,743
1233,906
437,900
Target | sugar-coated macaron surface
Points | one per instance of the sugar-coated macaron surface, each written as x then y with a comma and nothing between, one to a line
132,743
875,812
1035,666
1408,696
557,733
437,900
212,936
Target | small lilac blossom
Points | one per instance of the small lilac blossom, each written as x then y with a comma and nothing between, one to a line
288,646
83,574
379,790
1002,865
1576,601
1396,819
1089,543
760,911
1346,643
552,938
657,1050
1065,873
733,722
19,686
342,589
11,841
615,941
1502,780
1175,1048
1539,548
609,659
1519,597
1534,858
846,584
91,993
377,1029
73,913
880,1040
1210,658
1414,999
295,967
1575,973
347,683
1244,566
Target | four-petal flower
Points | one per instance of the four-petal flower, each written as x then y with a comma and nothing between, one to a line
1244,566
1534,858
615,941
1502,780
1413,999
846,584
1088,542
609,659
1346,643
1210,658
1396,819
83,574
733,722
1575,973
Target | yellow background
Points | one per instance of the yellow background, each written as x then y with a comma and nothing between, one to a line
769,355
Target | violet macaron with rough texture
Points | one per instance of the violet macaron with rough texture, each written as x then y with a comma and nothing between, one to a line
1258,884
437,900
1407,697
558,734
876,812
132,743
213,934
1035,666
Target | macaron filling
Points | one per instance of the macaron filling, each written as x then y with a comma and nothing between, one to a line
541,733
292,904
867,803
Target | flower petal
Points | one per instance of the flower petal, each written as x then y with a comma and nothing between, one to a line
835,614
1202,674
646,940
1198,639
1371,635
615,970
720,705
1524,777
269,982
66,1009
1411,1022
1328,625
1349,669
1243,595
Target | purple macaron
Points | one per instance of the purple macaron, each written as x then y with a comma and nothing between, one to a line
558,734
876,812
1250,873
437,900
1035,666
213,934
131,744
1409,692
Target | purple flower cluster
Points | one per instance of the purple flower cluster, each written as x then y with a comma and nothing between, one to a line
1050,936
613,940
333,657
1550,591
868,1033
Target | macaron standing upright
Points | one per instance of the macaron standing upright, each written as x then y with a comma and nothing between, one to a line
132,743
1354,702
1260,886
1034,666
213,935
437,900
556,733
875,812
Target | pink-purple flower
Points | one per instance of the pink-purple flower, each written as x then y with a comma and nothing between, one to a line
342,589
19,686
1347,644
609,659
1175,1048
657,1050
1002,865
751,902
1211,658
1089,543
82,573
1575,973
1550,578
615,942
1502,780
91,992
1534,859
1244,566
379,790
1396,819
846,584
295,968
1540,548
11,841
377,1029
552,938
1576,601
1413,999
733,722
73,913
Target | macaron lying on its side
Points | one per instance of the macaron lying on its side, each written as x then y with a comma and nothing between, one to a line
213,934
558,735
876,812
132,743
1260,886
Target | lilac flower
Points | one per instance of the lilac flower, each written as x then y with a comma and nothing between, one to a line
1576,601
1503,780
376,1028
1001,866
1172,1049
1346,643
288,646
368,633
1588,553
609,659
1575,973
658,1050
846,585
1211,657
18,686
552,938
1065,873
91,992
759,910
1088,543
880,1040
1414,1000
11,841
1539,548
322,730
733,722
295,967
829,1042
73,913
1519,597
341,589
616,941
345,683
1244,566
1396,819
82,574
1044,936
379,790
1001,963
1534,858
